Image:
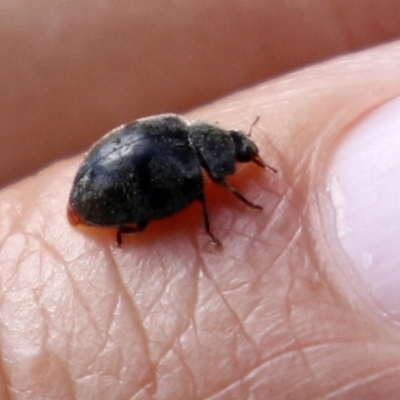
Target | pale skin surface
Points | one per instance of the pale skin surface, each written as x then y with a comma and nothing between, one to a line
272,315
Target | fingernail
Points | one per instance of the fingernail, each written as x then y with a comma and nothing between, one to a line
364,181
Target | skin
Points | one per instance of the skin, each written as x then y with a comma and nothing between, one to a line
273,314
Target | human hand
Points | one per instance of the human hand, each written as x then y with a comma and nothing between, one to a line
284,310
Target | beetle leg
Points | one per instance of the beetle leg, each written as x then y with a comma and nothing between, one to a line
206,220
140,226
243,199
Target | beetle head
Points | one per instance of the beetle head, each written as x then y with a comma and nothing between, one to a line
246,150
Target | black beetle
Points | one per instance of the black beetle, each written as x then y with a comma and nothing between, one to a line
152,168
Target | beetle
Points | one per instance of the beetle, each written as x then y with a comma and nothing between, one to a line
152,168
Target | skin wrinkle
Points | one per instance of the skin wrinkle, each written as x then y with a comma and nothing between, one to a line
92,363
368,377
297,343
242,325
5,391
196,337
203,268
54,253
145,310
273,224
152,305
62,360
232,312
81,299
235,316
188,324
35,296
359,382
19,260
269,222
286,195
245,236
198,346
107,337
288,307
281,354
135,316
273,325
112,316
45,317
171,343
186,366
325,280
167,345
252,371
71,382
147,389
311,345
286,248
219,394
236,287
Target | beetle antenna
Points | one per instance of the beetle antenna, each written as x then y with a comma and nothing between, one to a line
252,125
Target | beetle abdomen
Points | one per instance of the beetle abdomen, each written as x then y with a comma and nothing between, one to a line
147,178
